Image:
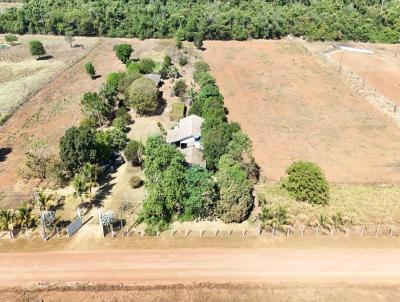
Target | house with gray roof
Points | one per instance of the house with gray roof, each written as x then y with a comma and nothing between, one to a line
186,136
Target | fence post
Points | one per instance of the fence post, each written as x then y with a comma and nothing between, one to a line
362,230
244,232
391,231
58,234
273,232
317,231
230,232
287,232
216,232
302,231
332,231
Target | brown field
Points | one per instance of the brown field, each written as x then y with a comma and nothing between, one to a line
295,107
380,69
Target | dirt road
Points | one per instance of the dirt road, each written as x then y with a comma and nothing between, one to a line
211,265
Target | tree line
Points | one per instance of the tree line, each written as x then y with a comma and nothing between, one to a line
358,20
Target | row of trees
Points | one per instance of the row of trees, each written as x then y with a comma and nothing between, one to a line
361,20
222,190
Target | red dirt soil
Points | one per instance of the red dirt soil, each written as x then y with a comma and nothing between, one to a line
293,107
200,265
381,70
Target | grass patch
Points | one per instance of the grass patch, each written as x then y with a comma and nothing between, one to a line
351,203
177,111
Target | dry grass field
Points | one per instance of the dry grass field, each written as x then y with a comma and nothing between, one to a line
5,5
356,205
21,75
294,107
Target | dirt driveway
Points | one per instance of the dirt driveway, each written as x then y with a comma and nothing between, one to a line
189,265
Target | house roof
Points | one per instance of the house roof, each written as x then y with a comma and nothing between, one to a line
156,78
194,156
189,126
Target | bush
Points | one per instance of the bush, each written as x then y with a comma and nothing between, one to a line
133,68
146,66
179,44
10,38
113,80
183,60
87,122
180,88
206,79
134,152
306,182
127,80
135,182
123,113
177,111
120,124
36,48
143,96
123,52
200,67
90,70
198,40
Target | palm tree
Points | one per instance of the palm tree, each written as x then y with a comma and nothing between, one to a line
7,221
24,215
43,200
90,172
81,186
274,217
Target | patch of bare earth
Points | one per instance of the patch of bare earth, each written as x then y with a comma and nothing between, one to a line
293,107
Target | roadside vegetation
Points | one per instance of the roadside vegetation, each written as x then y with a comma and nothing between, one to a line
361,20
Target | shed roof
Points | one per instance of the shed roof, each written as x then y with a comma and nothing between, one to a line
156,78
187,127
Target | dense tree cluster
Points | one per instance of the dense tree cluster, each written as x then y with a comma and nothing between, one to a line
361,20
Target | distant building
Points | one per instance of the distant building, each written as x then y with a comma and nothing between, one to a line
156,78
186,136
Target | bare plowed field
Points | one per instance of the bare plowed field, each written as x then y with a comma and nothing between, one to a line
294,107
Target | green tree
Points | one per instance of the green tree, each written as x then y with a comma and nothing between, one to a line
198,40
113,79
90,70
7,221
305,181
120,124
215,141
10,39
201,197
122,112
146,66
123,52
143,96
79,146
235,191
134,152
165,171
36,48
95,108
180,88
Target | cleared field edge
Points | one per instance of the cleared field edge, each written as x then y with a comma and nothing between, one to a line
357,83
32,94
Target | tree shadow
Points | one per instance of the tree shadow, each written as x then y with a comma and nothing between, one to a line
162,104
96,76
78,46
4,152
45,57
